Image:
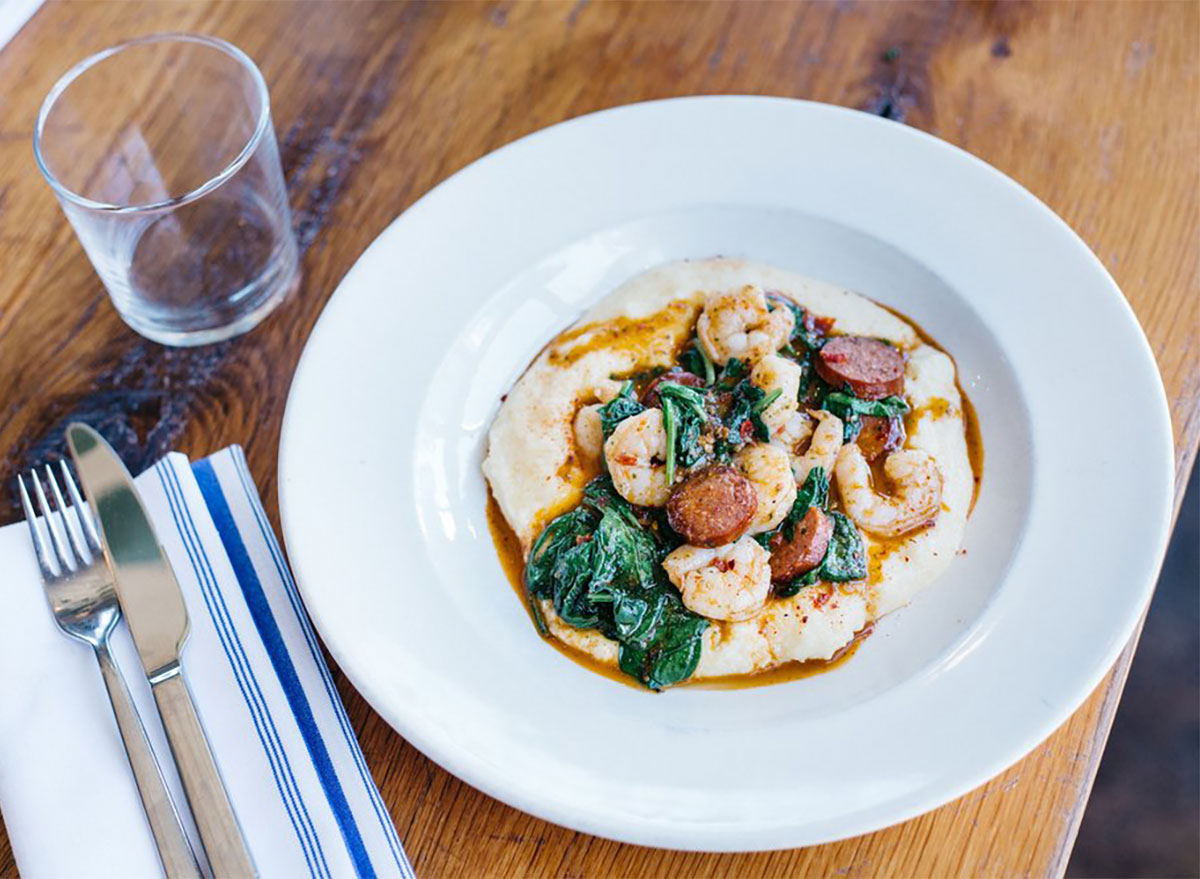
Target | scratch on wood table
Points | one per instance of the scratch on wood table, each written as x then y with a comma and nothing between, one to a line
1090,106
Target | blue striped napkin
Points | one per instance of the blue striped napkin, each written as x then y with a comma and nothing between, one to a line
286,750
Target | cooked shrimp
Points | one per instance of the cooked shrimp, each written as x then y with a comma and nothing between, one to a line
589,436
916,497
739,324
823,450
729,582
769,470
795,430
636,454
775,373
607,390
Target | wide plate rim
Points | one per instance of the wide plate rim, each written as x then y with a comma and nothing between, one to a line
681,835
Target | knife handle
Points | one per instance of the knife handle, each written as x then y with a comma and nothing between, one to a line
220,833
173,848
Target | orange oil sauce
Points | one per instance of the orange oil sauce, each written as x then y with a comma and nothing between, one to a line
512,560
646,336
970,417
656,338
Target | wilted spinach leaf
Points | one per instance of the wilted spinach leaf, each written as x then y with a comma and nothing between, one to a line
625,554
889,407
572,576
697,362
814,492
655,520
802,330
734,371
787,590
624,405
684,417
769,398
845,558
600,493
601,567
563,533
671,653
744,419
849,408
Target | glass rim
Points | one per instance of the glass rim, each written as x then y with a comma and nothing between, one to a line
64,82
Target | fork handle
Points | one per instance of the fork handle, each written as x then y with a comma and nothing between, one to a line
173,847
228,854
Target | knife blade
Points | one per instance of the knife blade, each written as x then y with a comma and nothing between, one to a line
153,605
149,593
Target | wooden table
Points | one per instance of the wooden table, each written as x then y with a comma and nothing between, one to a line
1090,106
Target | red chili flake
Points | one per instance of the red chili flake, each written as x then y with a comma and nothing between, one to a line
746,430
821,597
822,324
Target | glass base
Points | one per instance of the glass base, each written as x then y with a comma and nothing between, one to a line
281,289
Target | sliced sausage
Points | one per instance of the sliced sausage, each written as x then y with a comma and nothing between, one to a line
806,549
872,368
880,435
713,506
674,374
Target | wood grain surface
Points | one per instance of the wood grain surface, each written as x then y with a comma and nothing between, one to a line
1090,105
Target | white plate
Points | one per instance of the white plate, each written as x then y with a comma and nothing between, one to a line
383,501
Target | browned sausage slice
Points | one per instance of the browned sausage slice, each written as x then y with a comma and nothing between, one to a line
713,506
674,374
872,368
806,549
880,435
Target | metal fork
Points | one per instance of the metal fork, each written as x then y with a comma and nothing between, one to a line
82,596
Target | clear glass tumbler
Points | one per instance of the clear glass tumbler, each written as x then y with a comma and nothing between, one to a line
162,154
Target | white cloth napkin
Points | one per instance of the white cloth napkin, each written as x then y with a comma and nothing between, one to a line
284,745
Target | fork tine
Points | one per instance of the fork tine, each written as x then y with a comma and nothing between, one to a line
82,556
65,557
39,543
83,511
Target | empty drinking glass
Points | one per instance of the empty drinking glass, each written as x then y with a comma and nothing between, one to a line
162,154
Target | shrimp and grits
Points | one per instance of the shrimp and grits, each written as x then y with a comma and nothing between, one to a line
725,467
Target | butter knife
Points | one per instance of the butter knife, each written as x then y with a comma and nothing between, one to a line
153,606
